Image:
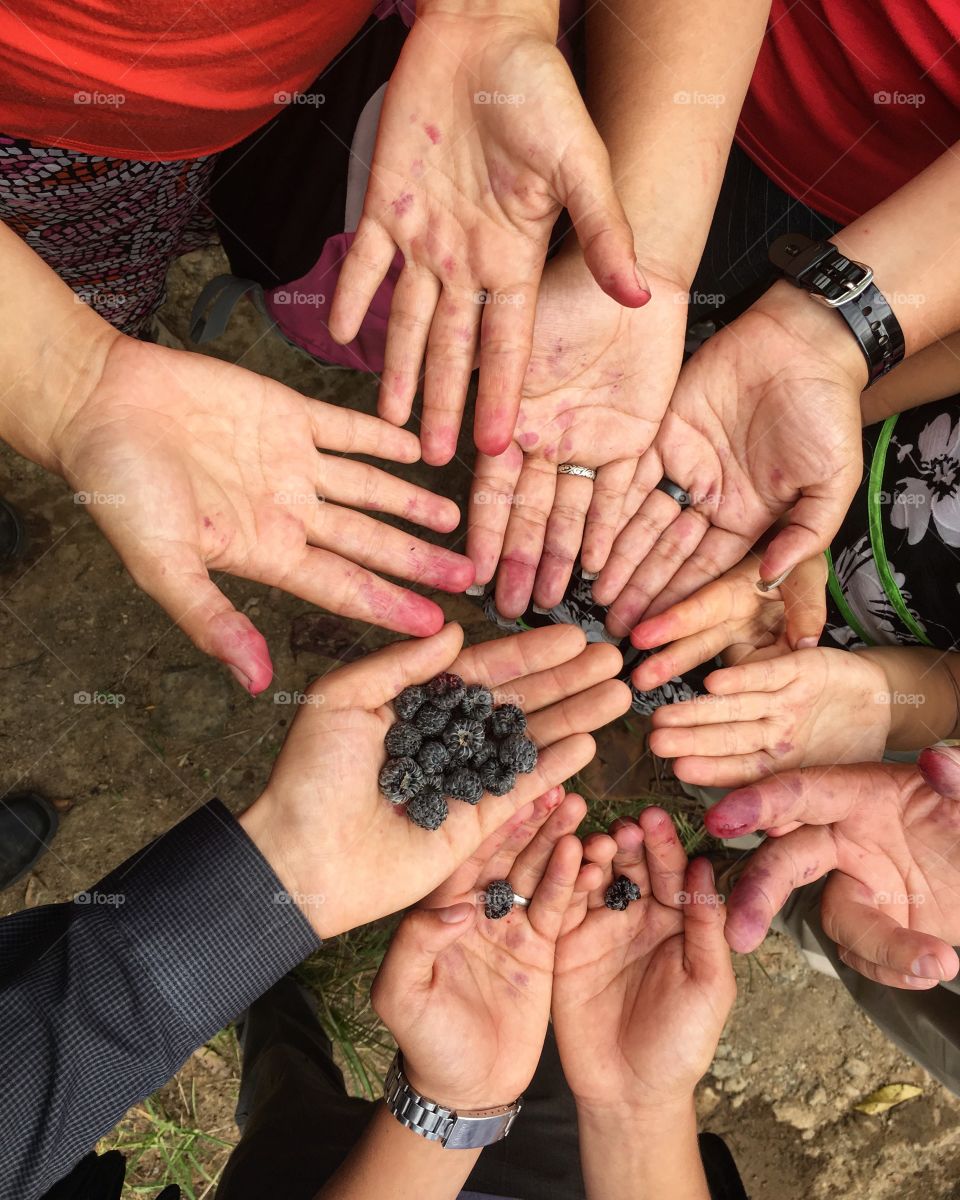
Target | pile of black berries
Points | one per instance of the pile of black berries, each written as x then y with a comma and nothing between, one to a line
450,742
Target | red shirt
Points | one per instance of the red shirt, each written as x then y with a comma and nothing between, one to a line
160,79
850,99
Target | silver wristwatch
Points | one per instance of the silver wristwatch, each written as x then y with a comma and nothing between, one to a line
454,1130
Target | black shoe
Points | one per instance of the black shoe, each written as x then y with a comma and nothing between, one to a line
13,535
28,822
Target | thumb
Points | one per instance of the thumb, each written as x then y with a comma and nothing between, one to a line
814,520
422,936
602,228
180,584
940,768
804,595
705,948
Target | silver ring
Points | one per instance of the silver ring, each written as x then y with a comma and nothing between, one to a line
520,901
674,491
576,469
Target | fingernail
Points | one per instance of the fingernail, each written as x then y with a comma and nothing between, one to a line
455,914
770,584
589,576
808,643
243,679
476,589
927,967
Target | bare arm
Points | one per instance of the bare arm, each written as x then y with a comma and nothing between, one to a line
933,374
923,687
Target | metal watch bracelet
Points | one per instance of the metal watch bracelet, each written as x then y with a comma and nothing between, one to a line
453,1129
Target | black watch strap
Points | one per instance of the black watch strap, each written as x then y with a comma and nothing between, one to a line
828,275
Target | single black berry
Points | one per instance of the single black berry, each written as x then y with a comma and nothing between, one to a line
463,784
518,752
428,808
433,757
400,779
498,899
403,740
487,751
507,719
430,719
409,700
477,702
446,690
497,778
463,738
619,894
630,889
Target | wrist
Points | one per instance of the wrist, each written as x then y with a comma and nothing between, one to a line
654,1115
487,1093
543,16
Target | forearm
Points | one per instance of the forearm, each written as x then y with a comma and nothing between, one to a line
52,350
922,690
666,81
932,374
391,1160
642,1155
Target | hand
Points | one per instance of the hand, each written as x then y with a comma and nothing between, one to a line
804,709
594,393
734,617
469,191
892,904
640,997
217,469
765,419
467,998
323,824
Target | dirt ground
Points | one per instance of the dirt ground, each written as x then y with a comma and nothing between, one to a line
169,729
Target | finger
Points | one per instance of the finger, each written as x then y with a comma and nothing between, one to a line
600,849
553,895
422,936
588,880
581,713
357,538
562,539
411,313
596,664
179,583
766,675
527,870
707,608
450,356
808,794
588,194
814,520
360,485
504,660
704,945
940,768
362,271
381,676
719,551
804,594
351,432
555,764
506,339
523,540
884,975
491,499
603,516
852,917
635,541
729,771
630,859
679,657
772,873
723,740
712,710
674,547
666,859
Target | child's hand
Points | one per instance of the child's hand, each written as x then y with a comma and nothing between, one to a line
809,708
732,614
468,998
640,997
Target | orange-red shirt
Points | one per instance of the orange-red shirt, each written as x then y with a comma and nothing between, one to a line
160,79
851,99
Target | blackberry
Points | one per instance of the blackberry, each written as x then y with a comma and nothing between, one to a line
400,779
477,702
619,894
428,809
518,752
446,690
499,899
463,784
409,700
487,751
507,719
497,779
433,757
430,720
403,740
463,738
